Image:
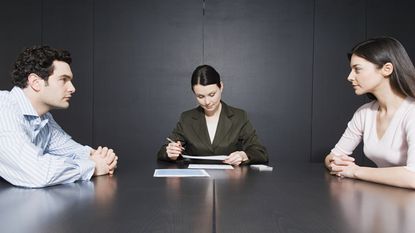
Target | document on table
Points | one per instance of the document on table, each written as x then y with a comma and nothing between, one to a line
210,166
180,173
262,167
213,157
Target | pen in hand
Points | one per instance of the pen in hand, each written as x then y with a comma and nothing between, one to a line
170,140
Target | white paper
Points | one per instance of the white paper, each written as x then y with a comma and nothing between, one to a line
213,157
180,173
211,166
262,167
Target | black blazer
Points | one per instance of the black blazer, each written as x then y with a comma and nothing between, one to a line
234,133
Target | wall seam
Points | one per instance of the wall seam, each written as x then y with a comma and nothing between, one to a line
93,75
41,21
203,30
310,159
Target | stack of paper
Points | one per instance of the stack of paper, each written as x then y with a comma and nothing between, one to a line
211,166
213,157
261,167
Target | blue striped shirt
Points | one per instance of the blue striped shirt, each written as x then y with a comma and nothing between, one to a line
34,150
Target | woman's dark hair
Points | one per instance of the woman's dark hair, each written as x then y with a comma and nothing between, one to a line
37,60
382,50
205,75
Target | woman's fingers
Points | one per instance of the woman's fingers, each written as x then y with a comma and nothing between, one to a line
233,159
174,150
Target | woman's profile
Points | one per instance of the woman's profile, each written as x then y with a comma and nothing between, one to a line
382,69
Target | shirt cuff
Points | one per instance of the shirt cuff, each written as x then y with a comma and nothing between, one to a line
410,168
87,152
86,168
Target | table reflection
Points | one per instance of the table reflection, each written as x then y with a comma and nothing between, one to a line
31,210
369,207
105,190
189,199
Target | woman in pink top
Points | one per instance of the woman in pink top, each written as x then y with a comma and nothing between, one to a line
382,69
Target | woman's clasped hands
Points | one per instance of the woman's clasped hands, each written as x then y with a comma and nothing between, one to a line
343,166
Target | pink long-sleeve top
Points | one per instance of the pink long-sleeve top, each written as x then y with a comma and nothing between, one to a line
397,145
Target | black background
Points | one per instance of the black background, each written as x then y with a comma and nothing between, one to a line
284,62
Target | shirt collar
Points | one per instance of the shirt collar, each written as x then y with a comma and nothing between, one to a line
23,102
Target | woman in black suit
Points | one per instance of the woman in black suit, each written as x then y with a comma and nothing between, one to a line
213,128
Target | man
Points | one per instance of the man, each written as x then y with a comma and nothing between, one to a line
34,150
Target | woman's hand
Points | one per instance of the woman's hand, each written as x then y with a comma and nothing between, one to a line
236,158
343,166
174,150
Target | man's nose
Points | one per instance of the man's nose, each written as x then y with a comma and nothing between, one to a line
71,87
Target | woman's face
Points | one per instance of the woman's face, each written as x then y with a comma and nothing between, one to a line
208,97
365,76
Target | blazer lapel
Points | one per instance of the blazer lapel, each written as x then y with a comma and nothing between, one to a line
200,129
224,125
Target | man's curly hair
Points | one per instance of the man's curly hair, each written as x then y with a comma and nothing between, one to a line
37,60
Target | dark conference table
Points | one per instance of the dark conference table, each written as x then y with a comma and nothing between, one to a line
294,197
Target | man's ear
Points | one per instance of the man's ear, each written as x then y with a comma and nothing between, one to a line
387,69
34,82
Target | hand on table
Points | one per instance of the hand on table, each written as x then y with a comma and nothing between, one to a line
342,166
105,161
236,158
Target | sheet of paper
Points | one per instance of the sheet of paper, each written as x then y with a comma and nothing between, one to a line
213,157
262,167
180,173
211,166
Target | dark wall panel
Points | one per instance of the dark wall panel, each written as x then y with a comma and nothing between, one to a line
69,25
144,54
392,18
282,61
338,26
20,27
263,50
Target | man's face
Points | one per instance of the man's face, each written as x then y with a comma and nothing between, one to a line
57,91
